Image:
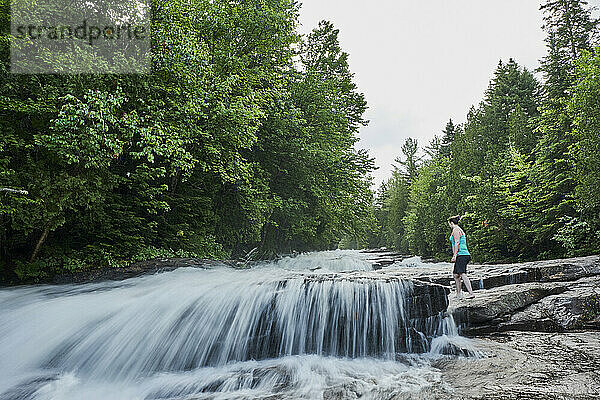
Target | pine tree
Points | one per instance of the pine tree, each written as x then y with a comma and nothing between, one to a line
394,202
411,161
571,30
449,134
584,235
434,147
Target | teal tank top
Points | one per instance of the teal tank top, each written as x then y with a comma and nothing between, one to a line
462,246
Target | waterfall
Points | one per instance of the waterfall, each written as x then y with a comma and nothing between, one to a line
219,331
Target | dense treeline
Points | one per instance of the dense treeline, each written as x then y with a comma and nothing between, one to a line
523,170
242,136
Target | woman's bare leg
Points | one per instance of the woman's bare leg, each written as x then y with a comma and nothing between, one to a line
458,284
467,282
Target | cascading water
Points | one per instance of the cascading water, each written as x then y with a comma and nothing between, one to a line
293,329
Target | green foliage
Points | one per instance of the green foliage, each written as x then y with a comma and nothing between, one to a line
574,234
583,108
571,30
393,200
306,148
448,135
392,203
211,250
425,221
242,136
32,272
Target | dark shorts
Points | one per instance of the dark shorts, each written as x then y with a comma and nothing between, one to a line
460,266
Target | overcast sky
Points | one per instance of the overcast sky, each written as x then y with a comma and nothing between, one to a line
420,63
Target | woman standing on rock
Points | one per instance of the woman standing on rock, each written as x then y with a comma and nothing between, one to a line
460,257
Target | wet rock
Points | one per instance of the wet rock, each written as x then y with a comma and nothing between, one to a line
578,307
544,296
382,258
343,392
455,346
570,269
501,302
496,275
529,366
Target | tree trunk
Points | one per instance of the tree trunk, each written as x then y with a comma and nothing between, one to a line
39,244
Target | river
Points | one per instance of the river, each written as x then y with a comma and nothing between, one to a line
306,327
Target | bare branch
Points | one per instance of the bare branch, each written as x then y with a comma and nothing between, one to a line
14,191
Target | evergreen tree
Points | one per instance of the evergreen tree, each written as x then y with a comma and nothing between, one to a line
393,203
571,31
581,234
430,203
448,136
410,163
434,148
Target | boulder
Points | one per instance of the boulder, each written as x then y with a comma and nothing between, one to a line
576,308
564,270
501,302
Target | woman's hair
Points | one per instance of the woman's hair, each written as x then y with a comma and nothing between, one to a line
454,219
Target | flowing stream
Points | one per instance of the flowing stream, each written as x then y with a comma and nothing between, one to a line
298,328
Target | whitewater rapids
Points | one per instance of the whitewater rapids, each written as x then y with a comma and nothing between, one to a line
294,329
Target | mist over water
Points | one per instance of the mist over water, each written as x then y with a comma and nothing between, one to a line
296,328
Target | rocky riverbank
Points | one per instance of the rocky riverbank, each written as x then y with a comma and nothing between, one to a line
528,365
538,324
133,270
543,296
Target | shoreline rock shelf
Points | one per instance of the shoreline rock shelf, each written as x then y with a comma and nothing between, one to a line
556,296
526,366
544,296
537,322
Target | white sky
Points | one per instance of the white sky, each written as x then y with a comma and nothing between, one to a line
421,62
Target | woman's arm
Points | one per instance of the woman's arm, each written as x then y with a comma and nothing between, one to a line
456,235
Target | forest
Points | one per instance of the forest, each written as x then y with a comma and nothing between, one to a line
243,137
